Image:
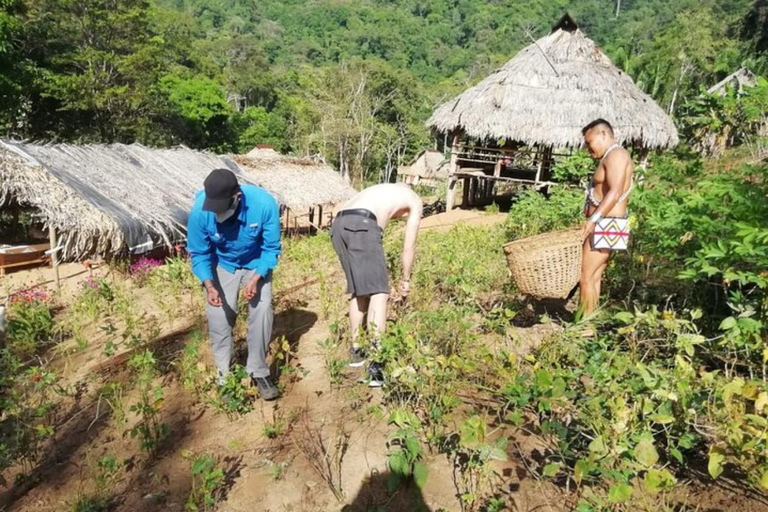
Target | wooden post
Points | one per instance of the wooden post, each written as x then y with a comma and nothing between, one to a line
450,195
320,215
54,256
465,193
540,166
312,229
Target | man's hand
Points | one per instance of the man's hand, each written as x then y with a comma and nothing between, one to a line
405,288
589,228
212,295
252,288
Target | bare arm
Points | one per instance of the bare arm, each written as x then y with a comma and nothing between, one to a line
411,232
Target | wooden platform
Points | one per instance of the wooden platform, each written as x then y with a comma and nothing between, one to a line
23,256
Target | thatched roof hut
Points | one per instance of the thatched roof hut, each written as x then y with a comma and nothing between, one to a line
429,167
107,200
303,183
737,80
549,91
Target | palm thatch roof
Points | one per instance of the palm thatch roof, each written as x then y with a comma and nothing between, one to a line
302,182
107,199
428,163
550,90
737,80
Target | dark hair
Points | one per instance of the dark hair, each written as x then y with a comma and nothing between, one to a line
595,124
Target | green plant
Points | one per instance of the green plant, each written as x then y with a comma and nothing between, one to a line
27,409
105,477
277,470
334,365
112,393
275,428
574,169
473,477
406,459
30,326
533,213
235,397
149,428
192,372
207,479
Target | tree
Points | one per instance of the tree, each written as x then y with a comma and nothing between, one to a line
15,72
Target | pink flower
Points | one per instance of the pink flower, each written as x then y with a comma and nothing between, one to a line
30,295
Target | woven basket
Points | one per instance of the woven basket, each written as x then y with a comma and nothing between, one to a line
548,265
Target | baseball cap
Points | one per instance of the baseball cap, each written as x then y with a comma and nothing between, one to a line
220,186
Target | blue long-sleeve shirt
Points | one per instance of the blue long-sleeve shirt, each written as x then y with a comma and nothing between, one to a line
251,240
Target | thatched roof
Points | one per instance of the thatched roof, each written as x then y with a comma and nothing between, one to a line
107,199
428,163
549,91
302,182
737,80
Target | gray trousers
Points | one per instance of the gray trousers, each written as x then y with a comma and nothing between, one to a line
221,320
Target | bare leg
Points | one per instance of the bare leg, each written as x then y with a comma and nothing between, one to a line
358,306
377,315
592,265
598,278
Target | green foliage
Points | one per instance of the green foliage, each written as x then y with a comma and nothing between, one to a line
106,474
207,478
405,461
533,213
352,81
574,169
714,122
192,372
235,396
198,109
462,265
30,326
149,428
26,399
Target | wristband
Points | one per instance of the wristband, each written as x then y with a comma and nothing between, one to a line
595,217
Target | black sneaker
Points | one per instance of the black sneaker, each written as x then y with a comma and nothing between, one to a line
356,357
375,375
267,390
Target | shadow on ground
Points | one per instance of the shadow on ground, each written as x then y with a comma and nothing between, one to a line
374,496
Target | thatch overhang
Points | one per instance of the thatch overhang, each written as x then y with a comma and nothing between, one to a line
303,182
549,91
107,200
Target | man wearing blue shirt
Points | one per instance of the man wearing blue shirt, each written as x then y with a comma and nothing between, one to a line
233,239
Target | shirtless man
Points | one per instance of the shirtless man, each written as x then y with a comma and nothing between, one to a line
606,197
357,233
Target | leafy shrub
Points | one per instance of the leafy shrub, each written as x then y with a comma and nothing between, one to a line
234,397
533,213
464,264
207,478
30,322
27,411
575,169
149,429
405,461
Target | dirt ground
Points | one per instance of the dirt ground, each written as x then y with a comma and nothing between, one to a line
445,221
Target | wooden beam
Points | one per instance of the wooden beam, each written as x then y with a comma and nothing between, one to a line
54,256
450,195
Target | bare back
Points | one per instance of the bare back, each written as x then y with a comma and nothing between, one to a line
386,201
